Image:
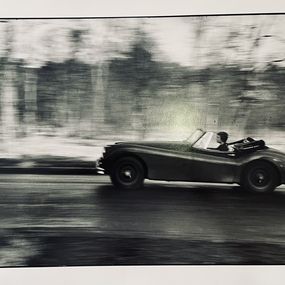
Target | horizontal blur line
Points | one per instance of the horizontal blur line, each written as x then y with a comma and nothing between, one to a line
47,170
53,183
146,16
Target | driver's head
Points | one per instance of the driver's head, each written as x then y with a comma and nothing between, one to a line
222,137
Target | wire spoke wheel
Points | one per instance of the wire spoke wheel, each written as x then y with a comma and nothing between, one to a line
260,177
128,173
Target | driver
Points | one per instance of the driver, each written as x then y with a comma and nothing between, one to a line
222,138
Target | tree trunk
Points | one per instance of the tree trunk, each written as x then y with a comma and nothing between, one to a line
30,99
8,90
8,103
99,77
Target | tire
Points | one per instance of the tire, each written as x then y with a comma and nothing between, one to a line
260,177
127,173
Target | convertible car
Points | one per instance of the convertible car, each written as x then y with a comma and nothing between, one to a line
249,162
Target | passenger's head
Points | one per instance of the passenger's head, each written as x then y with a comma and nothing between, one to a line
222,137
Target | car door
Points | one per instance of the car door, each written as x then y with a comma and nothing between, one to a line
212,166
171,164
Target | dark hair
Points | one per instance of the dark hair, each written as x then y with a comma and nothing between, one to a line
223,135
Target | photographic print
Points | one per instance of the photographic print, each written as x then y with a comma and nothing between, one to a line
142,141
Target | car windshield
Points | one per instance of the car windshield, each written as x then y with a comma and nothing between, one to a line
207,140
195,136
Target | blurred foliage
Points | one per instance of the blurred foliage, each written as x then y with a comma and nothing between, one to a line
121,86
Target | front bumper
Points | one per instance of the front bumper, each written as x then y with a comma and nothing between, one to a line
98,166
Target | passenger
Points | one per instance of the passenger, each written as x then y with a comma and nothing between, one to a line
222,138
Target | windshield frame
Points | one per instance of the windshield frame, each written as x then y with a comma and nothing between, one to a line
195,136
208,136
210,150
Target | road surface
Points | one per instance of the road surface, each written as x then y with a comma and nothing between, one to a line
62,220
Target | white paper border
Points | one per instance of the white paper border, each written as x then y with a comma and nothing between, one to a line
115,8
142,275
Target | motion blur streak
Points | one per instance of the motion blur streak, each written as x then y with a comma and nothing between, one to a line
68,87
141,78
83,220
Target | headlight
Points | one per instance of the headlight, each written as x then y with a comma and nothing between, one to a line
106,149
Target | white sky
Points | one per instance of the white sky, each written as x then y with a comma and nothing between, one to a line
173,38
177,40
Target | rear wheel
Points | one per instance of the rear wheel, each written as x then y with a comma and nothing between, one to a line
128,173
260,177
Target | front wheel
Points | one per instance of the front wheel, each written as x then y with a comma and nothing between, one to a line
127,173
260,177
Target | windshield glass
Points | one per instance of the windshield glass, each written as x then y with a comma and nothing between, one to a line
208,141
195,136
205,141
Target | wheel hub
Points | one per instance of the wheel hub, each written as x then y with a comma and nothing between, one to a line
127,173
260,178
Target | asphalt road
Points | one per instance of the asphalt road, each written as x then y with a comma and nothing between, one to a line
61,220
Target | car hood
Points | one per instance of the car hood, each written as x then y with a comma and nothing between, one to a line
167,145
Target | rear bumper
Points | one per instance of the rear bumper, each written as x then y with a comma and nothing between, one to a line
281,167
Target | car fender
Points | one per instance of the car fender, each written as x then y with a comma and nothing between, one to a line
146,155
110,158
277,163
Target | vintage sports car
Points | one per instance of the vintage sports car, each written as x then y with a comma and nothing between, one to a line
249,162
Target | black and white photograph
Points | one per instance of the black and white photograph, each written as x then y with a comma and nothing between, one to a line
139,141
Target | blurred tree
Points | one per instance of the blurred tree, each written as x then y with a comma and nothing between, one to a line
137,70
104,41
73,85
8,90
86,70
